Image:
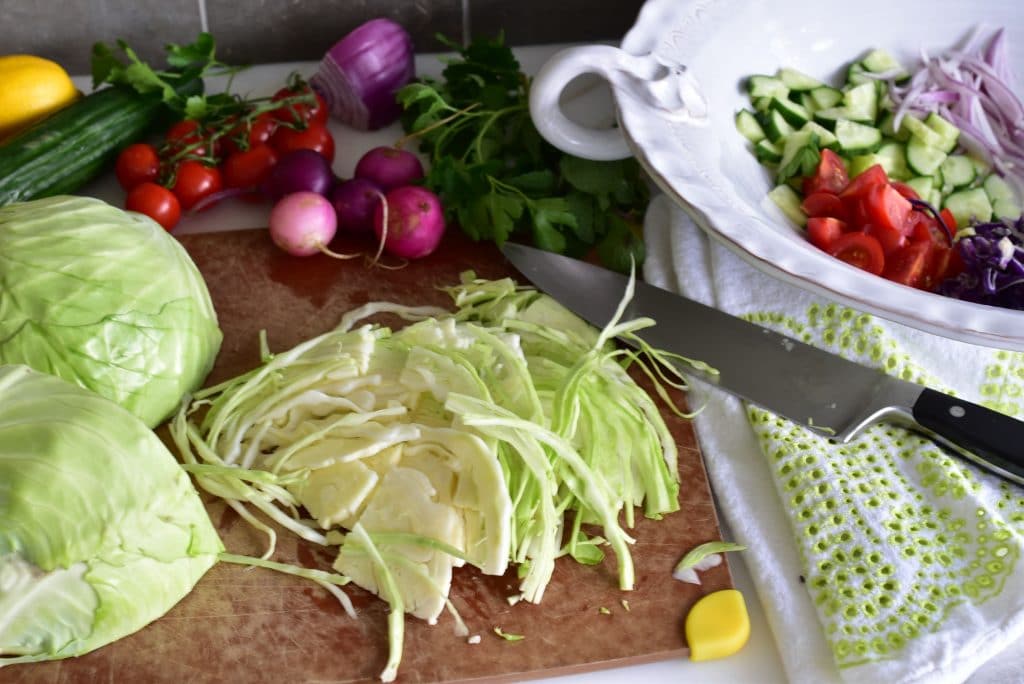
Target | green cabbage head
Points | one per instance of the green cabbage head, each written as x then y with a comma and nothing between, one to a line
106,299
101,531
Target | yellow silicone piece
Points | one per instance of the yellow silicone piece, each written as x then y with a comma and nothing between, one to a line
717,625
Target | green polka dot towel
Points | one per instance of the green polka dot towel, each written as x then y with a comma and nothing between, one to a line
881,560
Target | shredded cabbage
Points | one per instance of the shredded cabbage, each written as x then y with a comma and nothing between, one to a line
470,436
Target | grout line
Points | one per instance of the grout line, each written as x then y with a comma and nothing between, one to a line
204,24
467,33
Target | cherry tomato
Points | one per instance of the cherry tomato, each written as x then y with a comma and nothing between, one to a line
249,168
186,135
905,190
860,250
950,224
924,228
888,209
823,231
889,238
245,136
907,264
861,185
824,204
194,181
138,163
156,202
830,175
314,137
298,114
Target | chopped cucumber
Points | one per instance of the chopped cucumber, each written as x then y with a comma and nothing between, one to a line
957,172
893,157
922,185
797,80
794,114
830,115
766,86
889,130
969,205
787,199
825,97
922,131
776,127
863,100
947,132
767,152
997,188
1006,209
855,75
761,104
825,137
861,163
749,128
881,62
855,138
923,159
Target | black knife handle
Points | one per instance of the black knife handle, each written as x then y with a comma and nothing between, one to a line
990,439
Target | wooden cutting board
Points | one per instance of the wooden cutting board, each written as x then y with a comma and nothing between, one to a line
254,625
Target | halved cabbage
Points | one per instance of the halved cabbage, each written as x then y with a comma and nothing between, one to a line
106,299
101,531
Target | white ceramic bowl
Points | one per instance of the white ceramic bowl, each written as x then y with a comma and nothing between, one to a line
678,81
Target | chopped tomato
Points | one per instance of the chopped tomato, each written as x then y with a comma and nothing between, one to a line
924,228
822,231
830,176
860,250
887,209
907,265
936,266
950,221
888,238
905,190
861,185
823,204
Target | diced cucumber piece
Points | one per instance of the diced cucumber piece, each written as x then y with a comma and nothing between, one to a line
761,104
863,99
829,116
825,97
861,163
855,138
924,133
923,159
981,166
776,127
1006,209
969,205
797,80
805,100
881,62
787,199
947,132
889,131
749,128
998,189
766,86
767,152
922,185
800,155
893,158
825,137
855,75
794,114
957,172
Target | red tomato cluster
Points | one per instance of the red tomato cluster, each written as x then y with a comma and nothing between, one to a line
196,160
871,223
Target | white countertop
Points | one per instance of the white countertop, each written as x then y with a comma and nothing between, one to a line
758,662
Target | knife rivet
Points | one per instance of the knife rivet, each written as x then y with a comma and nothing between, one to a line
957,411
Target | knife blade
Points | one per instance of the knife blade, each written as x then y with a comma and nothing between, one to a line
822,391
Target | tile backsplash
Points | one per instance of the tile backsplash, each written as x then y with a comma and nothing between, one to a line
260,31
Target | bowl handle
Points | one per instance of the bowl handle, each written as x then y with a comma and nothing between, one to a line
639,79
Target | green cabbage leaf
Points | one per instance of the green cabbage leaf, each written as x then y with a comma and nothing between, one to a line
106,299
101,531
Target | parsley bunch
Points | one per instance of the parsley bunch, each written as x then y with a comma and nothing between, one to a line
499,178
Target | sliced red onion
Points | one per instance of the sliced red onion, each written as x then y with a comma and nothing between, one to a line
360,74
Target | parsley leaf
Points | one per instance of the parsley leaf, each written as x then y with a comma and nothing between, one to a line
499,179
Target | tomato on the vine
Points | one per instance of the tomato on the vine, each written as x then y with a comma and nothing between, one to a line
156,202
195,181
248,168
314,137
245,136
300,114
137,163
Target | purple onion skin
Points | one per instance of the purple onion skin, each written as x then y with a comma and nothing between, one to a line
299,171
389,167
354,202
415,222
360,74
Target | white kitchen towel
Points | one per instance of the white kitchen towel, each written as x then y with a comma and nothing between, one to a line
882,560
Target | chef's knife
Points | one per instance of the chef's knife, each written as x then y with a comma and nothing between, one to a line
829,394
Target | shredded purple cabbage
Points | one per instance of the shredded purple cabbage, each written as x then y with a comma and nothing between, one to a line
994,261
